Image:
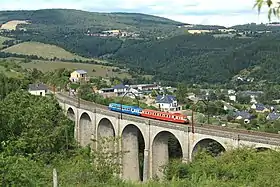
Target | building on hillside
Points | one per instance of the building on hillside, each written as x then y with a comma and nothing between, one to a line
198,31
112,32
243,115
232,98
273,116
228,107
167,103
78,75
38,89
260,108
120,89
145,87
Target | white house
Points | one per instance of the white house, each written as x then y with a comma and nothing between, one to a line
134,92
231,92
38,89
145,87
167,103
120,89
232,98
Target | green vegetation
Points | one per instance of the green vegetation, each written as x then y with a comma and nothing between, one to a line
92,69
2,40
162,49
76,20
36,137
197,59
42,50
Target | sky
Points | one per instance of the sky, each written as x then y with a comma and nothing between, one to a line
214,12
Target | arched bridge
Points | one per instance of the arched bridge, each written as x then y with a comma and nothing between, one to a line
94,121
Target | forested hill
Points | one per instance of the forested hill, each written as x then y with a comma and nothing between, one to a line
77,21
163,47
196,59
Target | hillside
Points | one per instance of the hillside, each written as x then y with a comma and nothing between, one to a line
196,59
81,21
12,25
42,50
94,70
163,47
2,40
256,27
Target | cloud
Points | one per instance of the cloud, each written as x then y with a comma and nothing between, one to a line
219,12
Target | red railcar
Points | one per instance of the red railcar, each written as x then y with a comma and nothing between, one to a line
165,116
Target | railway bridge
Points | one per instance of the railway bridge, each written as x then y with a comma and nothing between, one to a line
93,121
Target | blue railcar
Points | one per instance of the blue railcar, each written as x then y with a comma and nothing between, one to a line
133,110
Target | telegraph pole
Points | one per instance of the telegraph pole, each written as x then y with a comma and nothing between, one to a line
125,95
192,121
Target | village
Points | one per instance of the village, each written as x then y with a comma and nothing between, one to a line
114,33
225,107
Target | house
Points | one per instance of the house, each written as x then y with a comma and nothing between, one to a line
112,32
273,116
145,87
167,102
120,89
232,98
243,115
134,92
38,89
260,108
78,75
231,92
229,107
253,95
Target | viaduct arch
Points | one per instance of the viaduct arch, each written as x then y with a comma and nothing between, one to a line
133,145
70,114
88,119
105,128
210,145
85,129
161,151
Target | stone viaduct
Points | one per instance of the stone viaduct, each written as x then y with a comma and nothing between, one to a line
93,121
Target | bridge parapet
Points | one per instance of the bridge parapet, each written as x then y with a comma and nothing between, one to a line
215,132
237,134
260,139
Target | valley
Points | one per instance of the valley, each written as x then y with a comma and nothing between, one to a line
163,48
212,76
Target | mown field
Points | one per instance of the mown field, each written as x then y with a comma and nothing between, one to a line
12,25
42,50
92,69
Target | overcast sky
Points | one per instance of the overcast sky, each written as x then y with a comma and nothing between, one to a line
218,12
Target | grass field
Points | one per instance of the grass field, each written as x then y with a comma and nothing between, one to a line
100,70
43,50
11,25
3,39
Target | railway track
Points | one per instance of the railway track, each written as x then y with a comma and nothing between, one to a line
64,96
